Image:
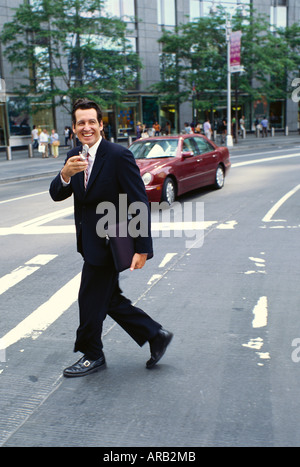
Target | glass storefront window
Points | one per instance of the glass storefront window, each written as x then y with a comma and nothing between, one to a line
21,116
276,117
42,118
150,111
109,124
126,121
168,119
18,116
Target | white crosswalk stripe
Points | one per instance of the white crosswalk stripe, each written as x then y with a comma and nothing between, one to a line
45,315
19,274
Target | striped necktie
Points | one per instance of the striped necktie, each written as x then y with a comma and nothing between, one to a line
86,173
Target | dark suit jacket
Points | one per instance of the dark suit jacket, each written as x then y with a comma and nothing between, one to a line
114,172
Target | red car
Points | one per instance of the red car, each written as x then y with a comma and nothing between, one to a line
173,165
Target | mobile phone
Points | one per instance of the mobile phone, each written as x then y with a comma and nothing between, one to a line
83,154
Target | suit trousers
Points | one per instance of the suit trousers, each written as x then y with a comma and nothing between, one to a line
100,295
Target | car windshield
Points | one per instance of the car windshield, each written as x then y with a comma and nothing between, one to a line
154,149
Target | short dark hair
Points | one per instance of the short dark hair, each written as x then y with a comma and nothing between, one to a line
86,104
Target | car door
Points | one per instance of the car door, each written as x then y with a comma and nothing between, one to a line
207,160
189,172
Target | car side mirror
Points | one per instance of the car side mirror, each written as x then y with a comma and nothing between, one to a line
186,154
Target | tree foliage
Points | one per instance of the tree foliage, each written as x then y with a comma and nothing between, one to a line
194,56
71,49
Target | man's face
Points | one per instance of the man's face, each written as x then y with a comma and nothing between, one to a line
87,127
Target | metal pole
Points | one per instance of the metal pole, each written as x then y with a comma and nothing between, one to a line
30,151
6,127
8,153
229,141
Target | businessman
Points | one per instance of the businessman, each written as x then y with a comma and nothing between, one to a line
110,170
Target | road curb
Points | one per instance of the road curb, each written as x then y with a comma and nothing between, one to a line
28,177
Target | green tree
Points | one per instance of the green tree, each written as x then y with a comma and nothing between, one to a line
195,56
71,49
291,36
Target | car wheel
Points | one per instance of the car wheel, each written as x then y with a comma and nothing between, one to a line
220,177
169,191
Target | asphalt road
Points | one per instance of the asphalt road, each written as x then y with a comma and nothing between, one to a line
229,291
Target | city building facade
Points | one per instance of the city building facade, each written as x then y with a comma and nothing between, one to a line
140,104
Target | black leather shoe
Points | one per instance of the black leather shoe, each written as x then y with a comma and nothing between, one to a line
84,366
158,346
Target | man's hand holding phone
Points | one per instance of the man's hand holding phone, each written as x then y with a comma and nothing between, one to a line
73,166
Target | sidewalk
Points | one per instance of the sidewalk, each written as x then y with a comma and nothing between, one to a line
21,167
251,141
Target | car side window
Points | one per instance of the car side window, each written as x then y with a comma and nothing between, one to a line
203,145
188,145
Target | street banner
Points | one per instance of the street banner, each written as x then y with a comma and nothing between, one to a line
235,51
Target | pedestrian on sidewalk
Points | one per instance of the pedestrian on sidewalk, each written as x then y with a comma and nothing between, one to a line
54,141
139,128
258,127
242,126
223,130
187,128
44,141
35,137
108,171
168,128
156,127
265,124
207,128
198,128
67,136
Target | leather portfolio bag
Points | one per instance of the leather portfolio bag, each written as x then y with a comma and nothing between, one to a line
121,245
